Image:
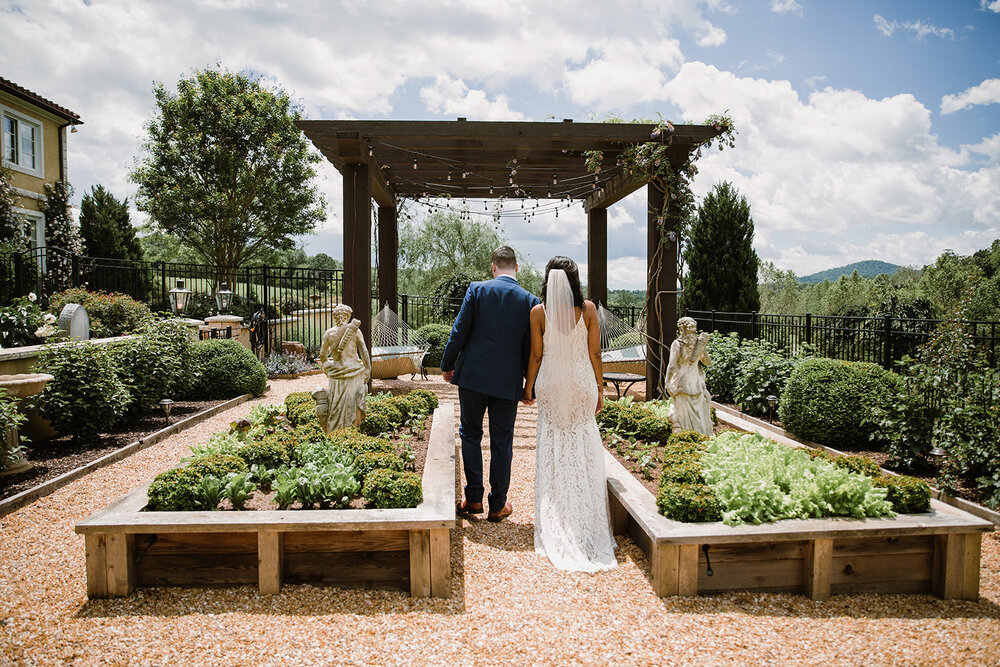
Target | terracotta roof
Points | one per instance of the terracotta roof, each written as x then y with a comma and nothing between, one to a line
39,101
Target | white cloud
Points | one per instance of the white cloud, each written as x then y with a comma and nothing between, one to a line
989,147
990,5
835,167
988,92
451,97
813,81
787,6
918,28
627,273
627,72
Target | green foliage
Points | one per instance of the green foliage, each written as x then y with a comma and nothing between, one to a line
153,364
300,408
86,396
682,501
429,398
833,402
437,336
13,229
443,245
218,465
277,363
376,422
105,227
758,480
721,374
861,465
176,490
763,372
653,428
323,453
61,233
226,169
327,486
10,418
357,443
238,489
369,461
722,264
908,495
211,489
110,314
226,369
779,290
385,412
269,453
392,488
24,323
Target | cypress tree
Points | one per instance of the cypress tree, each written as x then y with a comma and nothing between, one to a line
722,264
105,226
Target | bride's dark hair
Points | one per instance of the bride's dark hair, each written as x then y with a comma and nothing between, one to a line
572,274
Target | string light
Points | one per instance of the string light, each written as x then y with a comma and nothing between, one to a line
414,164
449,175
555,181
370,151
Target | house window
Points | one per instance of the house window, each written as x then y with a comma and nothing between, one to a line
22,143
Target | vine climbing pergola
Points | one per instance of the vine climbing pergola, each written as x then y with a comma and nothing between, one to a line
549,165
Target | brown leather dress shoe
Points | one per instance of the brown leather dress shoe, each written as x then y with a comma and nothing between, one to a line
465,507
497,517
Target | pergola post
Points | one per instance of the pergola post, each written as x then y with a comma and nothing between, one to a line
597,255
358,244
661,291
388,258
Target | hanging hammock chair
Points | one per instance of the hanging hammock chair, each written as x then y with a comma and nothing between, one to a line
396,348
623,347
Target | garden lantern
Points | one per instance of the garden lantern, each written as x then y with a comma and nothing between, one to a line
938,452
772,400
166,404
179,298
224,298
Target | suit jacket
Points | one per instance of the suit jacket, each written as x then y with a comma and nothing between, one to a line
492,334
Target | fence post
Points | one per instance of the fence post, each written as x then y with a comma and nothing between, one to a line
18,274
404,307
713,325
887,352
755,326
266,305
809,330
163,284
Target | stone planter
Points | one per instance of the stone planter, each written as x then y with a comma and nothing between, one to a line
20,386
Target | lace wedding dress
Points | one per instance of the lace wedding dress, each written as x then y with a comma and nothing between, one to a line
571,507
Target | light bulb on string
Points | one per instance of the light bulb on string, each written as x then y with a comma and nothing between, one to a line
491,188
414,164
555,181
464,174
370,151
449,175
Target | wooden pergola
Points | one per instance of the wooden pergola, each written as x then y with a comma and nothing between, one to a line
387,160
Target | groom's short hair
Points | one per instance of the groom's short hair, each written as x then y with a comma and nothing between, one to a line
504,258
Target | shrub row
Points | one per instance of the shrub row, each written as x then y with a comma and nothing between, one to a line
746,372
646,421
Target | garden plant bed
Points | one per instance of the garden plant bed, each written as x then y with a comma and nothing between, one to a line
60,457
396,549
936,552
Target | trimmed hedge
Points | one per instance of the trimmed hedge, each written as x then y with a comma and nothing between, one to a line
831,402
437,335
688,502
392,488
226,369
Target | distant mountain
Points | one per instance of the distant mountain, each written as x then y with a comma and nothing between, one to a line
865,269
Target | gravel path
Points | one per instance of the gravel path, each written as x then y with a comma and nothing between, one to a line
507,605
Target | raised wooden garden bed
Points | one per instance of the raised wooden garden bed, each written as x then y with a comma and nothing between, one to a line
396,549
937,552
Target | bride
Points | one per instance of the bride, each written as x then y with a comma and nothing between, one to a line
571,512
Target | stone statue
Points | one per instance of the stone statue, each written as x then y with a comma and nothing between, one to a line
344,359
691,409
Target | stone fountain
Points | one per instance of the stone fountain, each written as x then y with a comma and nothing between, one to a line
21,386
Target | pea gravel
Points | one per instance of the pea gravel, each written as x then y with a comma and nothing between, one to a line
507,605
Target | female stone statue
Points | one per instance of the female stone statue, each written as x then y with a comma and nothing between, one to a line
344,359
685,380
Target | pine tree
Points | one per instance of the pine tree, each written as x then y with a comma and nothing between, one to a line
106,228
722,264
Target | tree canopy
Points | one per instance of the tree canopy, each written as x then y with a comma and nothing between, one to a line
105,226
225,168
722,264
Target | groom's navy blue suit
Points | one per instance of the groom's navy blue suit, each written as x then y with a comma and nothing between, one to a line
491,333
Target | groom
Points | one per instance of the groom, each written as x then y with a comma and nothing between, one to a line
491,333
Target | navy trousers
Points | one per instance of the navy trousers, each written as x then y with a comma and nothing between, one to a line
473,405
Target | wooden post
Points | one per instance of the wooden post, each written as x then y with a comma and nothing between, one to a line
97,565
661,292
420,563
818,565
663,563
440,562
120,549
949,570
687,570
388,258
358,245
597,255
270,562
970,579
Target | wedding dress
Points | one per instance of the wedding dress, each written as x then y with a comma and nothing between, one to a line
571,506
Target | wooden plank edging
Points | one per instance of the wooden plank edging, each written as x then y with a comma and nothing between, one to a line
18,501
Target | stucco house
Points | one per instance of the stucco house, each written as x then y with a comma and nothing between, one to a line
34,132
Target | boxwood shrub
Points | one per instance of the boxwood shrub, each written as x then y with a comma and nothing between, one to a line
300,408
908,495
831,402
226,369
688,502
437,336
176,490
366,462
392,488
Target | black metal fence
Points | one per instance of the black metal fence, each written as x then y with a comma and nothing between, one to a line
881,340
630,315
417,311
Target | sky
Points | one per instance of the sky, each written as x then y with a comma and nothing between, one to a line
867,129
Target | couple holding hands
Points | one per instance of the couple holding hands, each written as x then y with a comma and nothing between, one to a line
507,345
